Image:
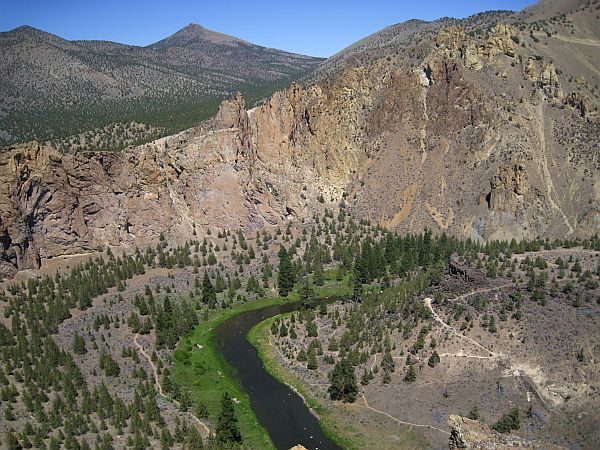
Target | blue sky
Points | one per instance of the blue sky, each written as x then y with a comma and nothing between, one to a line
319,28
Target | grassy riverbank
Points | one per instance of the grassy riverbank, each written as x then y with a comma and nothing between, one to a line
351,426
339,432
199,366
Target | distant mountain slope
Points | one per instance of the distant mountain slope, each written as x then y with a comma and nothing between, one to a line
51,87
486,128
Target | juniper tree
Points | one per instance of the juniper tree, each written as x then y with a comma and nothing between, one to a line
209,296
79,345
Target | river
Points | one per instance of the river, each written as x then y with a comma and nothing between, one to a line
278,409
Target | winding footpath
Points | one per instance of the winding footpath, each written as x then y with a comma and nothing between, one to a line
514,369
454,331
489,355
402,422
160,389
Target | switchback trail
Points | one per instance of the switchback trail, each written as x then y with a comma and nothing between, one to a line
514,368
453,330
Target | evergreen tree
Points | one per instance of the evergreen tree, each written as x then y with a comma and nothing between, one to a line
307,293
227,430
318,273
411,375
285,277
509,422
343,382
109,365
359,277
209,296
312,363
79,345
433,359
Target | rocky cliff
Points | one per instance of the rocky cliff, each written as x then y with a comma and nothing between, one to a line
476,134
467,433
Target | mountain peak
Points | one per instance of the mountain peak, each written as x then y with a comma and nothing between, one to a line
27,32
193,35
27,29
193,26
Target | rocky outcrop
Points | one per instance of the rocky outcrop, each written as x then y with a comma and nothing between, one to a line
467,433
239,169
580,102
501,39
508,188
454,43
550,82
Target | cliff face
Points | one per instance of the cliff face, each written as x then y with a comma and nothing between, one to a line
477,138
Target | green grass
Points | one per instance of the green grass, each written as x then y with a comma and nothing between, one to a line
205,372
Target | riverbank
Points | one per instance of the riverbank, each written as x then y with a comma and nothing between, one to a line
350,425
199,366
341,434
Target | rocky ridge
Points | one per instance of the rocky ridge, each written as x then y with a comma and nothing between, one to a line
461,139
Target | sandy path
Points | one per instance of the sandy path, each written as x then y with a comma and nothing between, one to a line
574,40
531,375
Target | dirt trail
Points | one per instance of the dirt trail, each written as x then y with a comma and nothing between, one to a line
464,355
531,375
574,40
374,362
521,256
160,389
454,331
402,422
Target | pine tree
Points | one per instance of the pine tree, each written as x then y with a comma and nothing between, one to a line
201,411
509,422
359,277
79,345
433,359
312,363
285,277
411,375
219,283
209,296
109,365
227,430
318,273
343,382
306,293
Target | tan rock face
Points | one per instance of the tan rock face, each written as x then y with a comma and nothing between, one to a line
508,188
502,39
550,81
467,433
454,43
531,69
444,146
